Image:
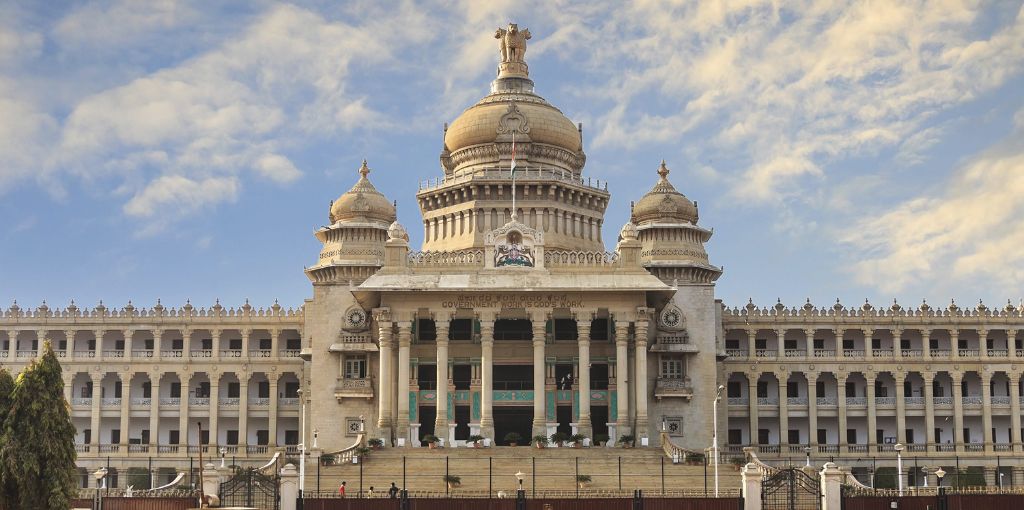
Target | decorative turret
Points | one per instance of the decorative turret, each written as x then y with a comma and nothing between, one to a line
353,244
673,244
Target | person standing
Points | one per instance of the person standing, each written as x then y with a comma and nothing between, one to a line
393,491
370,493
341,490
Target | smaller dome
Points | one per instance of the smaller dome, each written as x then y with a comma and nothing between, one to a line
397,231
664,203
362,202
628,232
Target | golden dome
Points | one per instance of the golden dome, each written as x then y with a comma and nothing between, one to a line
363,202
495,114
663,203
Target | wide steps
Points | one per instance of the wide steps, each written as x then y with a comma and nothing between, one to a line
546,469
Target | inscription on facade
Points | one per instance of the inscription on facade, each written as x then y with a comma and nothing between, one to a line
514,301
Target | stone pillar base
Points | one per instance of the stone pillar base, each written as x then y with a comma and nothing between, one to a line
575,428
549,429
413,435
451,434
474,429
613,436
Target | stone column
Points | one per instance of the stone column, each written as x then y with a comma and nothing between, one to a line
384,380
1015,411
831,487
214,408
99,343
215,344
246,334
243,408
780,335
926,344
290,487
404,340
841,379
868,333
986,410
183,415
539,414
1011,343
621,376
958,411
641,375
783,411
983,343
812,409
486,377
585,424
809,334
158,335
897,343
751,343
69,334
154,412
273,411
954,342
442,323
752,402
129,343
12,345
126,387
901,409
929,409
94,418
872,420
275,344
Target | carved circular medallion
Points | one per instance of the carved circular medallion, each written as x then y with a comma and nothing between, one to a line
671,317
355,318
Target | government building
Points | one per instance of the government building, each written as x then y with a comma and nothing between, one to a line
512,317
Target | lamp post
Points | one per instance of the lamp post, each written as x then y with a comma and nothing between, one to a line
223,454
924,471
899,466
302,442
316,433
807,451
1001,482
714,433
101,483
939,473
520,493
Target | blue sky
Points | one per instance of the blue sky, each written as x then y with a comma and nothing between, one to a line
187,150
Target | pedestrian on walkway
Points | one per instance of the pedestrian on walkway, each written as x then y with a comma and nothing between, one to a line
393,491
341,490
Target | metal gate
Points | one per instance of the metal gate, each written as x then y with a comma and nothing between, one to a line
791,489
251,488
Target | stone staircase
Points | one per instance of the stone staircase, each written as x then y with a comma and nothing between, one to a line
551,471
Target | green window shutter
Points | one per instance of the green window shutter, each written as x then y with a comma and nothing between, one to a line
476,326
549,327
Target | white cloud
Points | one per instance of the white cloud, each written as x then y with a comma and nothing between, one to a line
970,229
106,25
172,194
277,168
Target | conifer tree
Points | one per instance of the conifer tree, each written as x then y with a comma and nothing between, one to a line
37,449
8,493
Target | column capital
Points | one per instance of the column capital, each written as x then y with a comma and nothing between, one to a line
246,332
868,332
810,332
1011,333
99,332
382,314
752,333
954,333
838,332
781,332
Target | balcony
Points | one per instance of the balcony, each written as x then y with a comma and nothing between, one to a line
972,401
289,402
170,401
113,353
231,353
940,353
795,353
1002,447
1000,401
828,448
261,353
853,353
665,343
914,401
111,402
83,354
942,401
259,402
142,401
949,447
974,447
912,353
25,354
172,353
81,448
199,401
767,401
885,401
881,353
202,353
917,448
678,388
3,353
858,448
856,401
291,353
257,449
142,353
167,448
736,353
824,353
81,402
60,354
110,448
998,353
796,401
826,401
138,448
228,402
970,353
739,401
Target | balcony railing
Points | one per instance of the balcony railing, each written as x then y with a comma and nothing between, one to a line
3,353
885,401
998,353
142,353
291,353
172,353
970,353
767,401
257,449
84,354
949,447
113,353
856,401
1002,447
853,353
111,402
914,401
81,402
170,401
881,353
167,448
826,401
912,353
81,448
942,401
739,401
289,402
202,353
229,402
917,447
973,401
110,448
142,401
974,447
260,353
60,354
259,402
736,353
940,353
138,448
231,353
828,448
824,353
795,353
858,448
1000,401
796,401
26,354
199,401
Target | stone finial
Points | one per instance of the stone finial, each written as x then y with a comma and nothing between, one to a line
628,232
364,170
397,231
663,170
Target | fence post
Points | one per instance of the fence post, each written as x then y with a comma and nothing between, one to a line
831,487
211,481
289,487
752,477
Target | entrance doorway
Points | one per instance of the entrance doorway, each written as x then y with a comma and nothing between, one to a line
599,420
563,376
427,417
564,415
513,419
462,422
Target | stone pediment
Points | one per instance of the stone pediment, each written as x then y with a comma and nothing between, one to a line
514,245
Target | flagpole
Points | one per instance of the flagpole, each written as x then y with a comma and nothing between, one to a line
513,170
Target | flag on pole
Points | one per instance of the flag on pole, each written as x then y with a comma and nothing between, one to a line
513,154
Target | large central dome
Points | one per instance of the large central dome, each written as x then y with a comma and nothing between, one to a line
481,138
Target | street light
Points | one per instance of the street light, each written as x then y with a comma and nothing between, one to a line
520,494
223,453
714,433
1001,481
899,466
101,483
939,473
316,432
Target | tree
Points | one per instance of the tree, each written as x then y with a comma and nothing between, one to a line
8,493
37,442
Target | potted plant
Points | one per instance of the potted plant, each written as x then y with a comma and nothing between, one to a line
577,440
376,443
513,438
452,481
582,480
600,439
327,459
431,440
363,452
694,459
541,441
477,440
626,440
558,438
